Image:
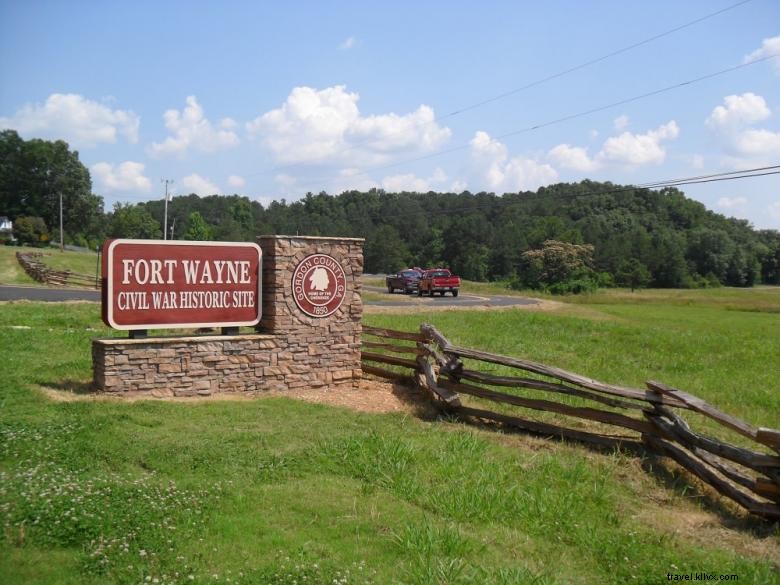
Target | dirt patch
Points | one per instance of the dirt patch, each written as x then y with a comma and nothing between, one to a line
672,502
745,535
371,396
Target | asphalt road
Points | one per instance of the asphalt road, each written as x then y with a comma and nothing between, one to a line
462,300
51,294
46,294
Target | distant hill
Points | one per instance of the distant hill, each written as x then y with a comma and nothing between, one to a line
659,238
482,236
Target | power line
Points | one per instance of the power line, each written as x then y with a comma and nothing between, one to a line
725,178
591,62
278,168
563,118
671,182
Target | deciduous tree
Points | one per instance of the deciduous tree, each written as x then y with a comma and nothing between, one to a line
31,231
133,221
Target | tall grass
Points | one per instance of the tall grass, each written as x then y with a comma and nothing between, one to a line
278,491
11,271
722,350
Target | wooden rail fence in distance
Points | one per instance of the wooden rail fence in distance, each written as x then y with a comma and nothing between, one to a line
38,271
644,418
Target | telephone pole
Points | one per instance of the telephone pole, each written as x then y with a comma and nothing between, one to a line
165,217
62,238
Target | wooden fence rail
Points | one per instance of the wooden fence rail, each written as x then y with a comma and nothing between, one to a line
633,417
38,271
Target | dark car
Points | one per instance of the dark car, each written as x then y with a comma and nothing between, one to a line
406,281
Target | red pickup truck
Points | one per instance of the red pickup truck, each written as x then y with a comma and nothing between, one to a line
438,280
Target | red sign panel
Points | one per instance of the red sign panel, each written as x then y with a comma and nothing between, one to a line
319,285
153,284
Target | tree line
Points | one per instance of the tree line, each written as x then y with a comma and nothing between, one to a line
566,237
615,234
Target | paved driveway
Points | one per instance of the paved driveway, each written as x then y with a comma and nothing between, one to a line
462,300
46,294
51,294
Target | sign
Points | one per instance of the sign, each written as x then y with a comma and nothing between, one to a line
319,285
153,284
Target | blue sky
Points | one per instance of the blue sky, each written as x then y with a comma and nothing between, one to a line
272,100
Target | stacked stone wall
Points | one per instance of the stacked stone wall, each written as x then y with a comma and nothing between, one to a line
290,349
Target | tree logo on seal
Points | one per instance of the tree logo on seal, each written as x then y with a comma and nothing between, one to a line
319,285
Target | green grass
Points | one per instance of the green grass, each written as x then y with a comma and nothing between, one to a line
719,345
280,491
81,262
11,271
720,356
756,298
759,298
373,281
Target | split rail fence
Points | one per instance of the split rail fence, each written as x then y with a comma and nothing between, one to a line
647,419
38,271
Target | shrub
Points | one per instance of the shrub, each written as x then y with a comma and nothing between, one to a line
633,274
574,286
31,231
605,280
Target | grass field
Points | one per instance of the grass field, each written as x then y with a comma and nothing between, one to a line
279,491
724,348
11,271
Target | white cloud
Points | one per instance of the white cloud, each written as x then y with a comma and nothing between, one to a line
458,186
731,202
236,181
348,43
409,182
127,176
413,183
505,174
697,161
758,143
625,149
439,176
621,122
191,129
326,127
349,179
572,157
72,117
739,110
638,149
730,122
285,179
770,46
228,124
200,185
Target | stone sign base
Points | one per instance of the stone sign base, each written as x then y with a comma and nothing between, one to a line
290,350
201,366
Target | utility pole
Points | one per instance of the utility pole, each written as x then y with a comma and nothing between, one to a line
62,241
165,217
